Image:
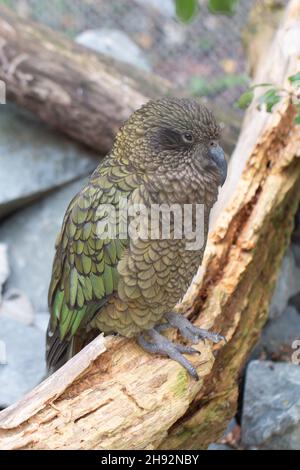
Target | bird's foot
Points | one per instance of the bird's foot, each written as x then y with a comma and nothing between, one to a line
189,331
159,344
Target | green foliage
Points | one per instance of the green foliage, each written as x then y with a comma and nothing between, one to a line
273,96
203,87
245,99
7,3
270,98
227,7
186,9
295,80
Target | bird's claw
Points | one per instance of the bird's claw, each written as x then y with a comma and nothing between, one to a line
191,332
159,344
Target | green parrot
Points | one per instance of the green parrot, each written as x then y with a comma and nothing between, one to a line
167,153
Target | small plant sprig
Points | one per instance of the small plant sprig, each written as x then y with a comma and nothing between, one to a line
273,95
186,10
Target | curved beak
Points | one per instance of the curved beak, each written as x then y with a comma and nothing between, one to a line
218,156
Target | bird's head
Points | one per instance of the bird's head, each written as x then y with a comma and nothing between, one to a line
171,134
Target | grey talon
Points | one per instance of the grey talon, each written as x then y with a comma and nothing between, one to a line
190,331
159,344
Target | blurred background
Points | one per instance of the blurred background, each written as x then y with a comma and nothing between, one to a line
205,56
213,56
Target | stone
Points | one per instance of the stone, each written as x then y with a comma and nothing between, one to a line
23,363
35,159
30,236
215,446
4,267
296,233
296,251
16,305
295,301
41,321
271,406
165,8
279,335
287,285
115,44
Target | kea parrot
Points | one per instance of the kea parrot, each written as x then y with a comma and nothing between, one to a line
167,153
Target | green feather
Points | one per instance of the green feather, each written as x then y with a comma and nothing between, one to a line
80,297
65,320
98,286
86,263
78,215
58,301
80,314
86,231
73,286
108,280
79,247
85,267
71,229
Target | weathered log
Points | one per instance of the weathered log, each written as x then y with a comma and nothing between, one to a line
83,94
262,24
114,396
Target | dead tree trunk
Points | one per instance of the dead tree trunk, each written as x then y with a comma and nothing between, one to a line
114,396
83,94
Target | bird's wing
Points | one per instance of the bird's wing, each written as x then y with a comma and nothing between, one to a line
85,265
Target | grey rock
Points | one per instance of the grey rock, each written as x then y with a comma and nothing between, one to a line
271,407
4,267
24,365
41,321
295,301
215,446
288,285
17,306
35,159
175,33
116,44
296,233
30,236
280,334
296,250
165,8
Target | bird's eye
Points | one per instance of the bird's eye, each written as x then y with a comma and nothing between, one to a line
212,143
187,137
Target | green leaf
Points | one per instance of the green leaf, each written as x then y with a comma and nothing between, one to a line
226,7
297,119
270,99
258,85
245,99
186,9
295,79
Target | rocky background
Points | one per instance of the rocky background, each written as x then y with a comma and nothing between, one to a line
41,171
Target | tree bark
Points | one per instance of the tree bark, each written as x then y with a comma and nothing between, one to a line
114,396
83,94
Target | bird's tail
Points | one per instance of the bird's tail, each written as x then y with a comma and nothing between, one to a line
59,351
